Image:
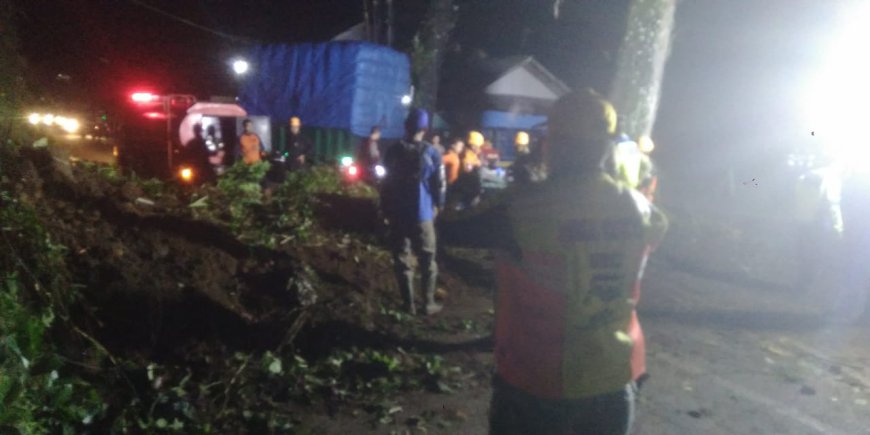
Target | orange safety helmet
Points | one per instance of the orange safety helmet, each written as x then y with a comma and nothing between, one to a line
295,121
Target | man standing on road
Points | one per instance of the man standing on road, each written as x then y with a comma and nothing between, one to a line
412,194
567,347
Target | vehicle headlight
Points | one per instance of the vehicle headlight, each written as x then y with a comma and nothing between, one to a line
186,174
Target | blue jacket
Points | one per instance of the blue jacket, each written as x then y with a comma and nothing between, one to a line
414,182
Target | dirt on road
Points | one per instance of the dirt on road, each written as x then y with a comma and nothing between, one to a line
729,351
305,336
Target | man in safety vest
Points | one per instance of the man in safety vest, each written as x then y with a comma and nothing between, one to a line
526,167
568,346
468,186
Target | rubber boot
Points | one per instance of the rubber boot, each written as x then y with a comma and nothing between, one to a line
408,297
432,307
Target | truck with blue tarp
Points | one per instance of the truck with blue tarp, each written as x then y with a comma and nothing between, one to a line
339,90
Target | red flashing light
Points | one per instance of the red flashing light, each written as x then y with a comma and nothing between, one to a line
154,115
352,171
143,97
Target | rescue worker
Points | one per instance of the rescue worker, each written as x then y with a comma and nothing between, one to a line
451,160
368,155
412,193
468,186
452,168
196,154
568,346
648,178
521,171
298,148
471,157
489,154
250,145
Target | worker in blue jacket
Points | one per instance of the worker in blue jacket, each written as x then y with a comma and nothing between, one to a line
412,192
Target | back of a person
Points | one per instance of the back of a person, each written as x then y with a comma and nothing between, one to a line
196,154
582,244
410,167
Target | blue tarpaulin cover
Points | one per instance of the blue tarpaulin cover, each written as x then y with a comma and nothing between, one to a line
495,119
346,85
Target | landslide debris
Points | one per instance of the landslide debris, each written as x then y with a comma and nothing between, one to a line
210,309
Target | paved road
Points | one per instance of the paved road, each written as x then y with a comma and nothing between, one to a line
95,150
731,360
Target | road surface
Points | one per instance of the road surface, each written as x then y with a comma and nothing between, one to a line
725,357
87,149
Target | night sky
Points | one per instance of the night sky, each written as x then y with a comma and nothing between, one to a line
732,87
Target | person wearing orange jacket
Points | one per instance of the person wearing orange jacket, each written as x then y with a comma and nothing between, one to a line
568,347
250,145
452,160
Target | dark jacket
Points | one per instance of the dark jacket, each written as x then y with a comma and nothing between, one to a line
414,182
197,155
297,146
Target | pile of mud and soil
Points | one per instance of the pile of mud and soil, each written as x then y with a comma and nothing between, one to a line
157,287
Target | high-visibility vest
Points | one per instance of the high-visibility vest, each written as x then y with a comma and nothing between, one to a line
566,326
629,161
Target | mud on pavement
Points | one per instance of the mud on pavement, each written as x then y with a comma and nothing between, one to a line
215,332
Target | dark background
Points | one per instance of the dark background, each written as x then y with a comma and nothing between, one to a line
732,91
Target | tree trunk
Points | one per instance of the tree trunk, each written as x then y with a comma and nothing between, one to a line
427,54
641,63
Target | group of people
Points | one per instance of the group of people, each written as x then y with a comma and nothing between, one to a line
568,345
462,163
202,152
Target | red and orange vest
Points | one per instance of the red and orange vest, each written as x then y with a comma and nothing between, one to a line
566,326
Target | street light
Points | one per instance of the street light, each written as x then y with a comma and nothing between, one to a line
241,67
406,100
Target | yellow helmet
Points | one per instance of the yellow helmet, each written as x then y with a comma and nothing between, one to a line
475,138
646,145
522,139
295,121
583,114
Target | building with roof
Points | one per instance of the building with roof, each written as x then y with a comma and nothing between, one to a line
501,97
